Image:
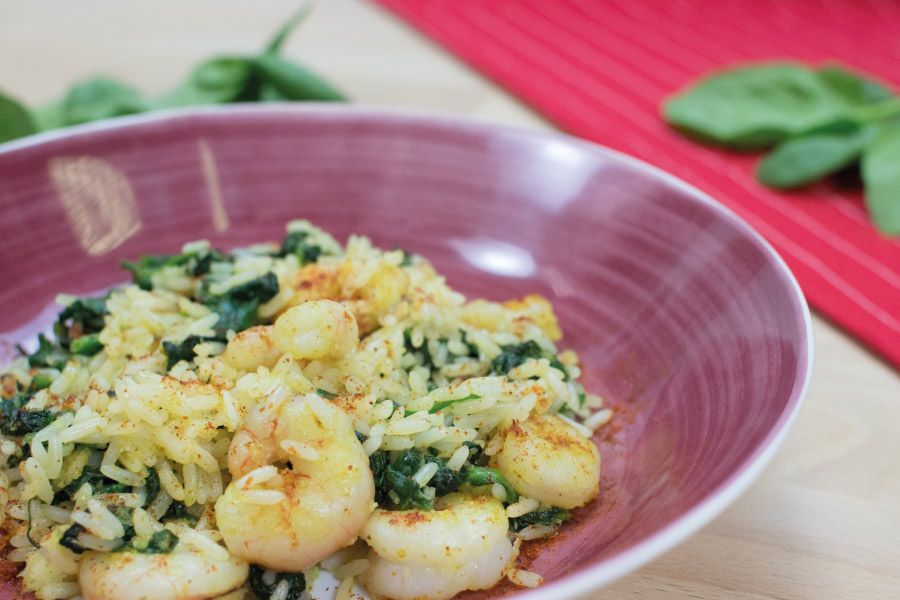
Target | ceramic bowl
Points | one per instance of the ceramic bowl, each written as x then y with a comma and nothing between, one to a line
686,321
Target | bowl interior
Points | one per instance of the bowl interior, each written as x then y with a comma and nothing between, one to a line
685,322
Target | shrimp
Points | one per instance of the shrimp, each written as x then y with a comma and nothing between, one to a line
251,348
545,458
187,575
436,554
288,518
316,329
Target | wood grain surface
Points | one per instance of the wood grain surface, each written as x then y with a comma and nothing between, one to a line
822,522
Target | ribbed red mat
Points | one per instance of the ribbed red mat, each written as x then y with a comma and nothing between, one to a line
599,69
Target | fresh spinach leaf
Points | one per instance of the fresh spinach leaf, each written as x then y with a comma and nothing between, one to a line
756,106
100,98
296,583
292,81
852,87
802,160
880,170
15,120
277,41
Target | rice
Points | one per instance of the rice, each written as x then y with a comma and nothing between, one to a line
132,442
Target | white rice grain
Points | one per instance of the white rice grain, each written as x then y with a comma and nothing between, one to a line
263,497
598,419
256,477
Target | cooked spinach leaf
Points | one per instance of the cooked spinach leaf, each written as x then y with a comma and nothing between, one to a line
48,354
486,476
513,355
69,538
184,350
17,421
237,308
296,243
296,583
86,345
553,516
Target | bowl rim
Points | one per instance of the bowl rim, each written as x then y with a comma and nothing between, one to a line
705,509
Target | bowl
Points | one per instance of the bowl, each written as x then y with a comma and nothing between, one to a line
687,322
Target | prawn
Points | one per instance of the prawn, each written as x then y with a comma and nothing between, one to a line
302,485
415,554
545,458
188,575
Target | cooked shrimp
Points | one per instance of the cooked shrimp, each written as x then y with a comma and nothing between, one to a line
436,554
290,518
545,458
316,329
252,348
187,575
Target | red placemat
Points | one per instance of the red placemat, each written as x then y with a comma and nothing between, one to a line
599,69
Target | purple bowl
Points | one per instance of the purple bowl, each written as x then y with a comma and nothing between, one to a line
687,321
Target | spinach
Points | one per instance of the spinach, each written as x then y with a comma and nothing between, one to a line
805,159
83,316
486,476
15,121
178,511
439,406
237,308
99,98
476,452
265,76
69,538
143,270
326,394
100,484
295,242
757,106
296,583
184,350
40,381
161,542
395,487
513,355
553,516
86,345
881,175
194,264
125,515
17,421
48,354
151,485
407,258
820,120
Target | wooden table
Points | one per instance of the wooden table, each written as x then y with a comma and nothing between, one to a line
822,522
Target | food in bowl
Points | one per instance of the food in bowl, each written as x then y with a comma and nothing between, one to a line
238,423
